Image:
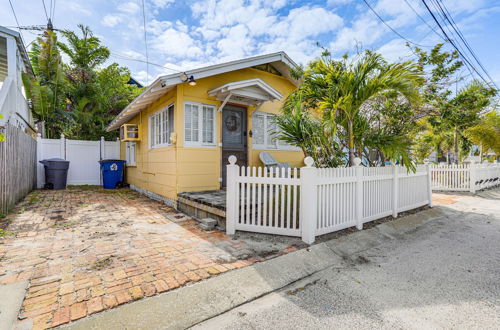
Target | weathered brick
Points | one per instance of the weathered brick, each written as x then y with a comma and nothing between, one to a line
122,296
136,292
109,301
78,310
66,288
61,316
160,286
97,291
95,305
148,288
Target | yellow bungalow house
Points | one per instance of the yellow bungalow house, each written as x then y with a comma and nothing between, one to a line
177,135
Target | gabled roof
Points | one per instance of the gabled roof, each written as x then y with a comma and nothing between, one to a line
247,92
20,46
163,84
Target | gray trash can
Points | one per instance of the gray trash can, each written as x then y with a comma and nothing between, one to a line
56,173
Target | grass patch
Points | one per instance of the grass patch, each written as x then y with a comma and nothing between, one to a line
100,264
4,233
61,225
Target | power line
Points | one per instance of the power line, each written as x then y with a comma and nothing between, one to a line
145,41
453,24
45,9
423,20
128,58
53,11
386,24
15,16
452,43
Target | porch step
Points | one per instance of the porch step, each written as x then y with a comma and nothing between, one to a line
208,223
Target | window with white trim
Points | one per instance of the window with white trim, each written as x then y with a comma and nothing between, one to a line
161,125
130,153
199,124
264,132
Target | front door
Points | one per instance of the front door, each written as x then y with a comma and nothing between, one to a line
234,136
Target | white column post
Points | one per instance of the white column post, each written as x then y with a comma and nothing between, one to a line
429,183
472,177
308,201
395,189
232,196
62,147
102,147
359,193
40,177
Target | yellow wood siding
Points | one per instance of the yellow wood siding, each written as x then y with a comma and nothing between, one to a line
178,168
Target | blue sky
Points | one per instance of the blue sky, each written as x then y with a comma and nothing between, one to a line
193,33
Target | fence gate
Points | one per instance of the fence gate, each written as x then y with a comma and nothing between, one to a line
266,200
82,155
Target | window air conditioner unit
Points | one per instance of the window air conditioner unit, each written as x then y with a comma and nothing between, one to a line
129,132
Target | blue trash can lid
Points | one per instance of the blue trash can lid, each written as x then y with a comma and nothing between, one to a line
111,161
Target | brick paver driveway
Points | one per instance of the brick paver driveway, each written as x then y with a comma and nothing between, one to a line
84,250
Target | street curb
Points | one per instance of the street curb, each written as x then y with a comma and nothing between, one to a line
9,307
192,304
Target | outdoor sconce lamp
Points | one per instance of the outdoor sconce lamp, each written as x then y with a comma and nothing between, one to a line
189,79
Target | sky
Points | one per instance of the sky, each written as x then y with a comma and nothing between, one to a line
183,35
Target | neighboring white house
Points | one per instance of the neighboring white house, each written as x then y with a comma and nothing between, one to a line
13,61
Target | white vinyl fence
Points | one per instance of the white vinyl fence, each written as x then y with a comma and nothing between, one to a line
82,155
465,177
309,201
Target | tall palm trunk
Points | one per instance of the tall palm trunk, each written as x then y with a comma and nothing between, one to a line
350,133
455,142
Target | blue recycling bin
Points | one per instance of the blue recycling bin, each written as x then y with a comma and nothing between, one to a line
112,172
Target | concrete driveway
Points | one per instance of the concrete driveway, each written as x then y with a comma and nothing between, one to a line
443,274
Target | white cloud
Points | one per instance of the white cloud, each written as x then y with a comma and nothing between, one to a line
129,7
111,20
363,32
162,3
395,50
172,42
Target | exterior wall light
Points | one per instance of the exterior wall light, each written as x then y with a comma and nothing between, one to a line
189,79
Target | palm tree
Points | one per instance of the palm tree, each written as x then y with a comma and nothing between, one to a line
339,88
486,133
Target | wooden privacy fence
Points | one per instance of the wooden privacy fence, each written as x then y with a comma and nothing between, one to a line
82,155
309,201
17,166
465,177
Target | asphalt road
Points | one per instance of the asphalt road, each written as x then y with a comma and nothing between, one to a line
443,275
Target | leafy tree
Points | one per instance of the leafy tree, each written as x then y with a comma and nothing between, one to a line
298,127
486,133
47,88
339,89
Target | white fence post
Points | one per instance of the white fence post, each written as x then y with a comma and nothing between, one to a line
472,177
62,147
359,193
39,167
429,183
395,189
231,195
102,149
308,201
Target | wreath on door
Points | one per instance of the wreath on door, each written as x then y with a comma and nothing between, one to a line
232,123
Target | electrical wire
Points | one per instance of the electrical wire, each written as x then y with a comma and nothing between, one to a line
453,24
433,29
452,42
396,32
45,10
128,58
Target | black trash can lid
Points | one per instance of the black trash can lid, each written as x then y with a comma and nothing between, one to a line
57,160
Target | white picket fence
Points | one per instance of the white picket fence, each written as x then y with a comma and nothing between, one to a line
465,177
308,202
83,157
